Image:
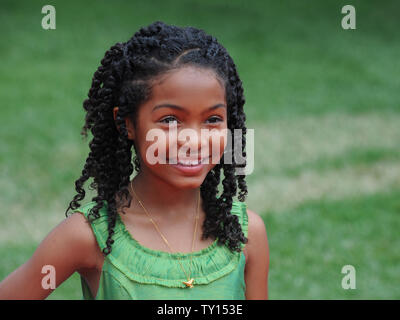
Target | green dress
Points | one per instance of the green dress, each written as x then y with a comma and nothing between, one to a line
132,271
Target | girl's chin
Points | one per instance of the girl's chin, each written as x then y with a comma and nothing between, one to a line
184,180
183,176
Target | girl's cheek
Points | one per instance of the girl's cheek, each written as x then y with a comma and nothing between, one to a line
155,151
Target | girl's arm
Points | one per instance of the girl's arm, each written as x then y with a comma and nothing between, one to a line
68,248
257,264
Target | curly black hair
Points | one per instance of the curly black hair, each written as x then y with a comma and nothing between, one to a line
123,80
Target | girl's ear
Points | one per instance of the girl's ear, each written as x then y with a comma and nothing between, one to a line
129,125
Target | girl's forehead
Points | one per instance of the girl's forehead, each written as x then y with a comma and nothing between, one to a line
190,88
189,84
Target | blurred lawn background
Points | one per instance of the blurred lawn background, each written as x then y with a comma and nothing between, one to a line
323,101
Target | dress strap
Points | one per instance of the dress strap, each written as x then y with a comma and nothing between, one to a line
240,209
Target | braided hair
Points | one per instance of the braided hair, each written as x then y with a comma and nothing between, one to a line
123,80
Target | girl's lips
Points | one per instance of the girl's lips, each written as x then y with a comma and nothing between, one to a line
169,161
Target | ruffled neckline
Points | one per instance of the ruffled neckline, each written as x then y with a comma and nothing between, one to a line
160,253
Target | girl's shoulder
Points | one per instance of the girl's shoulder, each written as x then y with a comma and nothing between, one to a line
87,239
257,237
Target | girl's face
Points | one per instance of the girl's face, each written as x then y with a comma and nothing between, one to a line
195,100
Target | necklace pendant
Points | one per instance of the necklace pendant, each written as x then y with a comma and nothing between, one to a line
189,283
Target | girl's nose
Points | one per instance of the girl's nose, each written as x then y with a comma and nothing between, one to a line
194,141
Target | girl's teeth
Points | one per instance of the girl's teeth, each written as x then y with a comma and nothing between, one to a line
189,163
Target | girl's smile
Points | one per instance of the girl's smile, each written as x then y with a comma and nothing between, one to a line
190,168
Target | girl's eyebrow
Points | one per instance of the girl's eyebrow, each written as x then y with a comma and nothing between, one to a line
167,105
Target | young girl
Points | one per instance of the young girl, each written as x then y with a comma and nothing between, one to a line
165,234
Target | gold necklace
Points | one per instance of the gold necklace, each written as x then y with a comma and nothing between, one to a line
190,281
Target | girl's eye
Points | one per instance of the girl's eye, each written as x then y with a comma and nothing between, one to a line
216,119
166,118
211,119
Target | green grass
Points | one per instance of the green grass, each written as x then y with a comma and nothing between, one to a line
323,102
311,243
